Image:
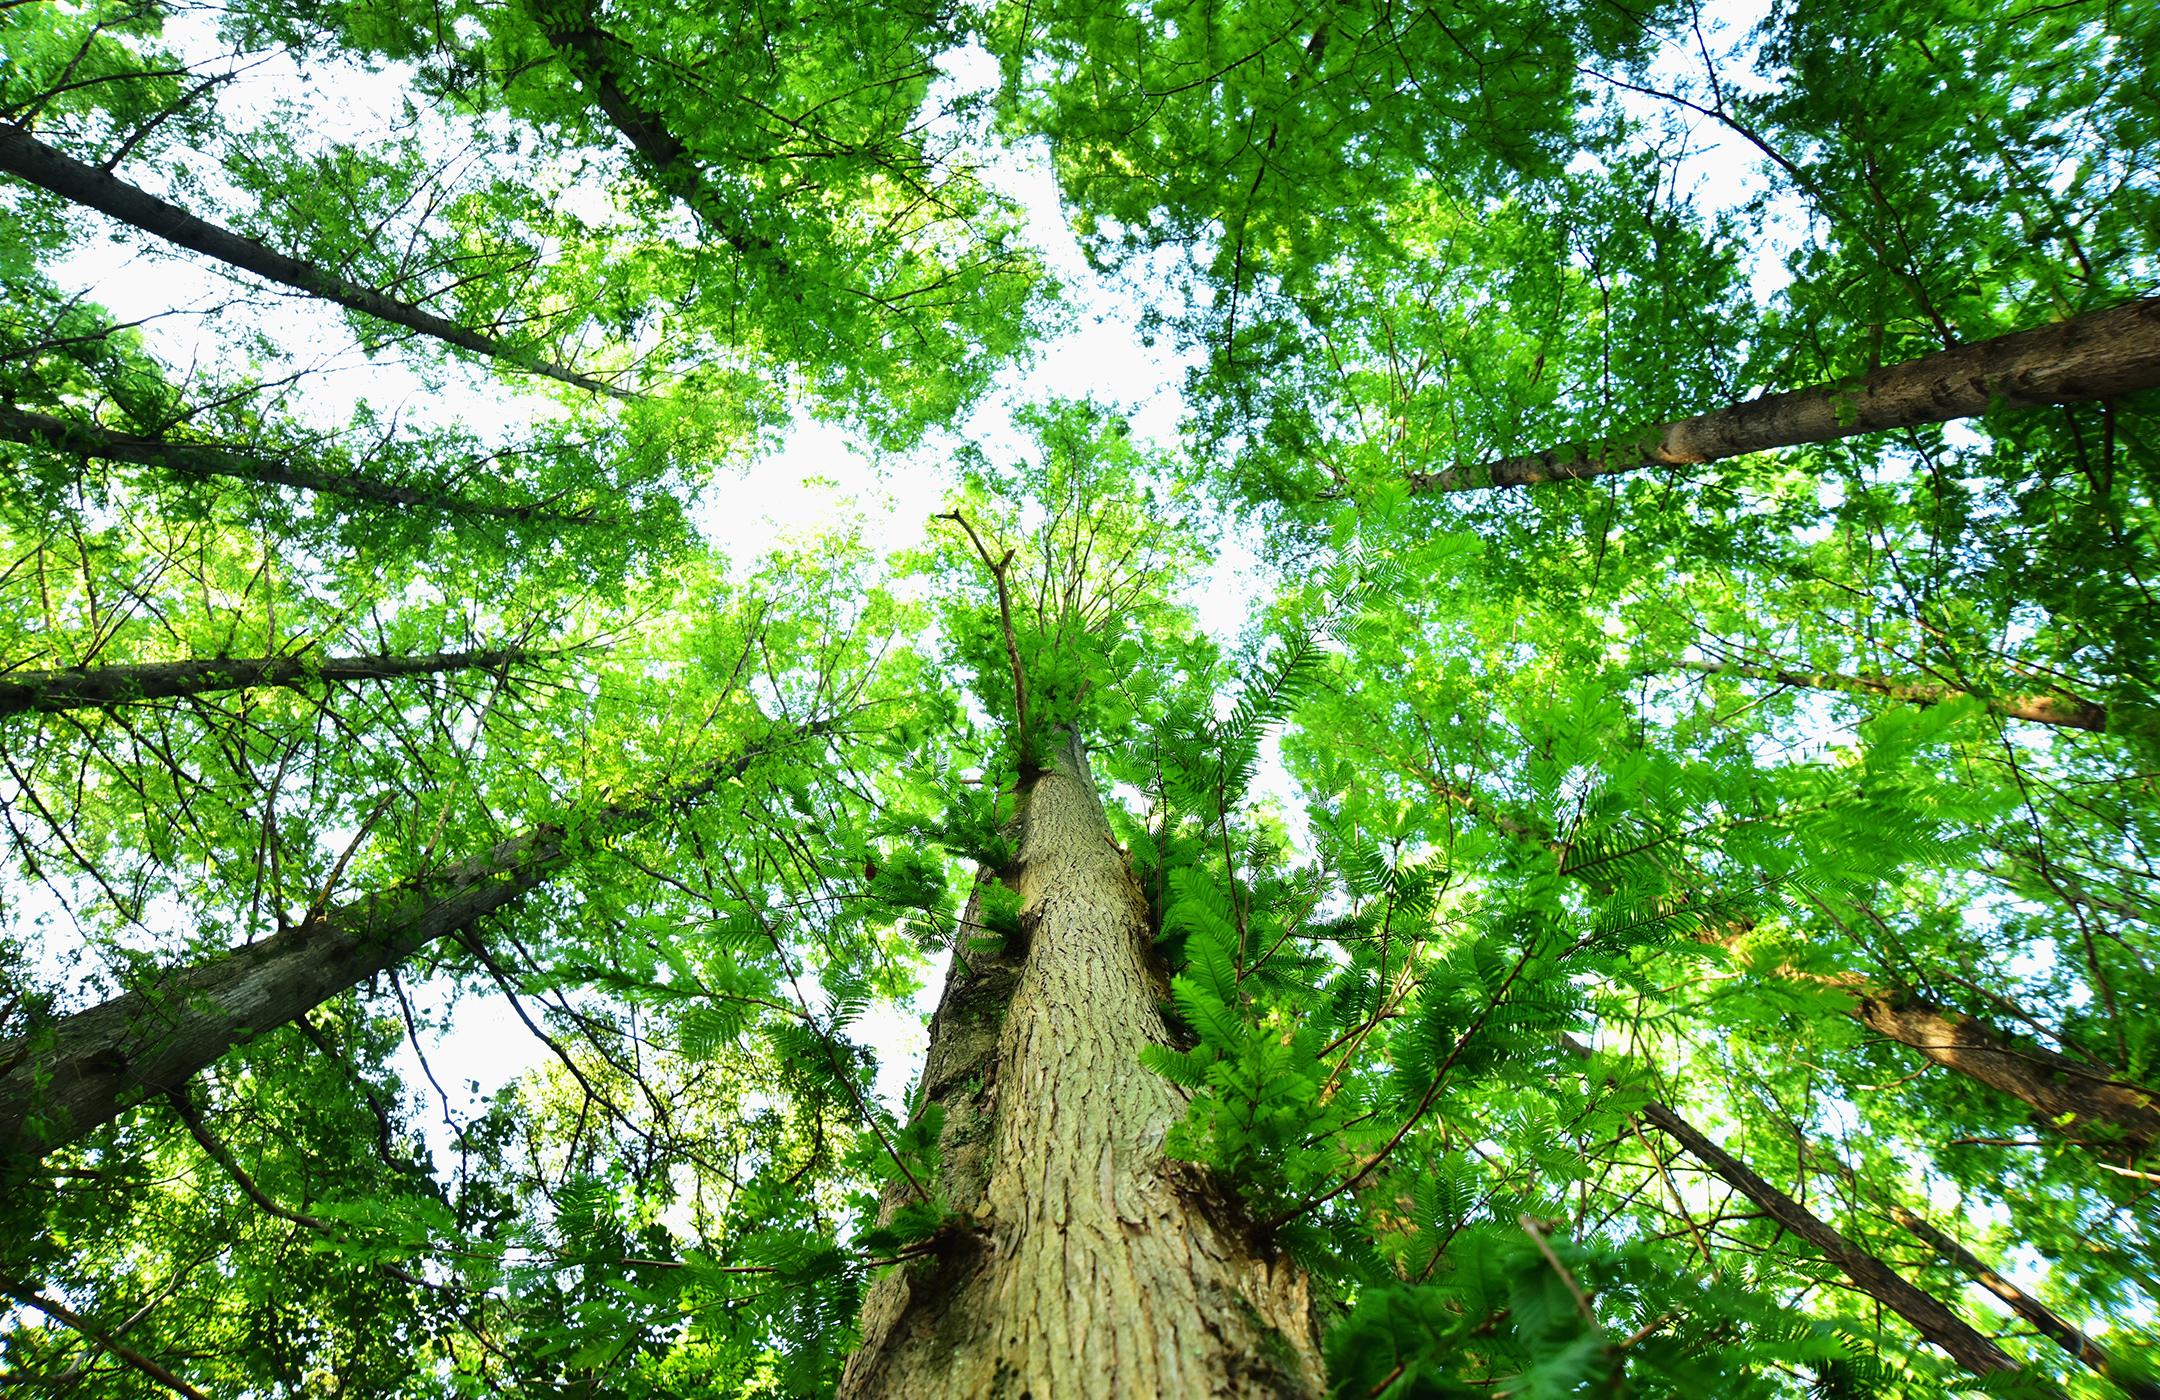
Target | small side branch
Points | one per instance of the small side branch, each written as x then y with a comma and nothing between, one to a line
999,569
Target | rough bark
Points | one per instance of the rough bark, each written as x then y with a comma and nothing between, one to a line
85,687
23,155
2079,1101
62,1081
1872,1276
2045,1319
1096,1266
210,459
2066,711
2094,356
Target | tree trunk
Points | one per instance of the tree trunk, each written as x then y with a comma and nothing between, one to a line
1878,1280
209,459
1097,1267
59,1082
82,687
23,155
2081,1102
592,56
2042,1317
2066,711
2094,356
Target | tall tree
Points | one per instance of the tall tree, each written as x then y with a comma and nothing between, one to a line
1794,758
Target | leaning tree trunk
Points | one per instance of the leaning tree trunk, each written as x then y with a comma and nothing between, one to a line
1096,1266
23,155
1869,1274
102,687
2084,1103
2065,711
61,1081
2094,356
201,459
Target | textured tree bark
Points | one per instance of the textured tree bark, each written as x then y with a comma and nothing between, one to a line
2079,1101
23,155
1878,1280
91,1067
2066,711
84,687
2049,1323
2094,356
208,459
1097,1267
58,1083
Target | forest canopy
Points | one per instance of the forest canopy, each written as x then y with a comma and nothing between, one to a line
1579,818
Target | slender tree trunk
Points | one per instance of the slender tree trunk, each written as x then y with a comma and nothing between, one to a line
2050,1324
593,56
62,1081
1878,1280
1097,1267
2094,356
85,687
23,155
209,459
2066,711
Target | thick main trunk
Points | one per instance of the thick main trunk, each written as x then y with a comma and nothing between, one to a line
23,155
1096,1266
2094,356
58,1083
2066,711
82,687
1876,1279
209,459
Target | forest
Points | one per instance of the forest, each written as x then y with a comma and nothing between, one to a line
1649,894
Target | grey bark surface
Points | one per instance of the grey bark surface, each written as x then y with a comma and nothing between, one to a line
62,1081
1929,1317
2094,356
1096,1266
2046,1320
209,459
85,687
23,155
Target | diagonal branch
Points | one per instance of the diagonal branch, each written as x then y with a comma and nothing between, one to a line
2050,1324
80,687
1878,1280
23,155
2094,356
2066,711
67,1318
61,1081
212,459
